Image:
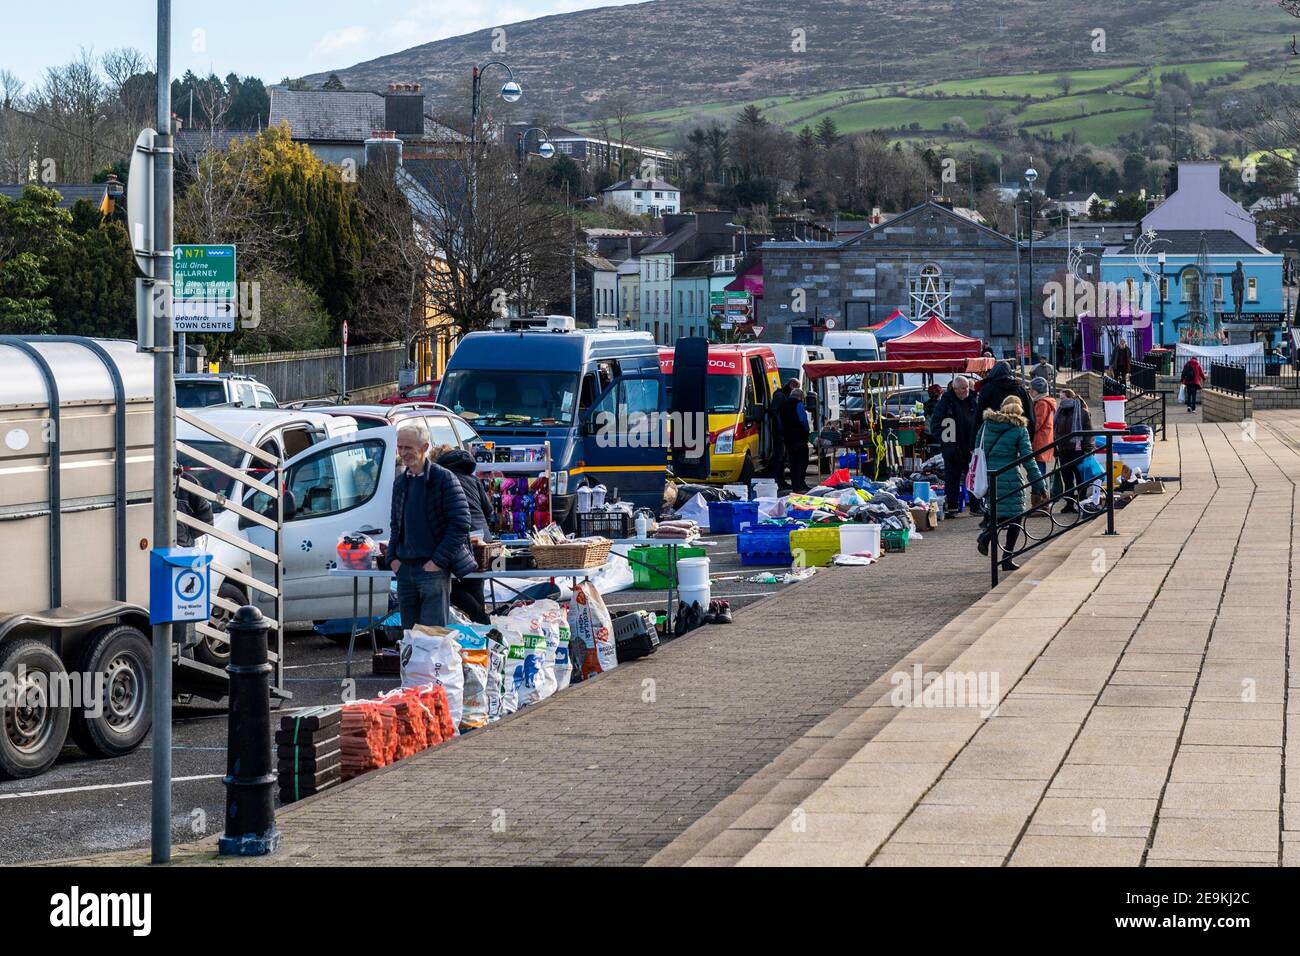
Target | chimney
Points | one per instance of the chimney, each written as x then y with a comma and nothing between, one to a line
385,149
404,109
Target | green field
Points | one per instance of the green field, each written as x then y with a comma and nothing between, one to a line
1034,84
1094,116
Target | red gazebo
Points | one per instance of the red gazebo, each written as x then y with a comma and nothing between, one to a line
935,339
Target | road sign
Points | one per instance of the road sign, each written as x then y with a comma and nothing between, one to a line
203,288
178,585
830,323
139,200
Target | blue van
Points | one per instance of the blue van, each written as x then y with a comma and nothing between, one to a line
542,379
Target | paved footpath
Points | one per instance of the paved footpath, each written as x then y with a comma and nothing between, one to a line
610,771
1145,718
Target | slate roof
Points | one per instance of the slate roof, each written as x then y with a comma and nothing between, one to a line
643,184
68,193
340,116
1187,242
193,143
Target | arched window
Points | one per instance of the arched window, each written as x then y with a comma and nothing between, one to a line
930,293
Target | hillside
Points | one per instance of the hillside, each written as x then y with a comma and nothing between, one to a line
668,54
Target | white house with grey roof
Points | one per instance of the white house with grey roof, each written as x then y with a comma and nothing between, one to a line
643,197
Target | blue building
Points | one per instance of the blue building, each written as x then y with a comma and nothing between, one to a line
1176,256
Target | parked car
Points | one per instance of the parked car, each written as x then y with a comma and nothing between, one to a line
204,389
422,391
285,434
445,426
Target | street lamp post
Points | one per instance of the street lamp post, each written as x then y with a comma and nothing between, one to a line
1160,294
1031,176
511,91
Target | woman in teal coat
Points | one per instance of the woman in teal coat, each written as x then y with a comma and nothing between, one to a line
1005,437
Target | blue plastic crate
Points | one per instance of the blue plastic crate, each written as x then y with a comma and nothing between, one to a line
765,544
726,517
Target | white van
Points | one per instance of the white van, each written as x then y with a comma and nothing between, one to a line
852,346
790,360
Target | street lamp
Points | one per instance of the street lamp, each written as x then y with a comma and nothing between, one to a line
511,91
1160,294
1031,176
544,147
744,237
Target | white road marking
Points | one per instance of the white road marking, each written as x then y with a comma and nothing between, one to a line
23,794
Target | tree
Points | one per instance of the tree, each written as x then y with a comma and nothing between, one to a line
752,117
333,83
828,134
1065,83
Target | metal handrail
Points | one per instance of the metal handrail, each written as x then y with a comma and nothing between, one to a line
997,554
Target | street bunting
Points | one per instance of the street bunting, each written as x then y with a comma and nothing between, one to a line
203,288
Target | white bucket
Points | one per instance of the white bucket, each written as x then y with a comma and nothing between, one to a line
1114,408
693,573
584,499
701,596
740,491
598,497
764,487
860,539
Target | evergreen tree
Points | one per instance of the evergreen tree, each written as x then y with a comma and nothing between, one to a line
828,134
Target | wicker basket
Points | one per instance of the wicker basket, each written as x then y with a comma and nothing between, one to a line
591,553
485,552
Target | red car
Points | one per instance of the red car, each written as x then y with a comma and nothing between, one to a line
422,392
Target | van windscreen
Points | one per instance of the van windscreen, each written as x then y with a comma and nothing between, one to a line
200,394
724,392
489,397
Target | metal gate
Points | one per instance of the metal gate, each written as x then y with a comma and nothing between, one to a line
272,589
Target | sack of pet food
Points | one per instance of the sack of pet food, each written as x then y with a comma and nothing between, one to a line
532,620
591,632
474,660
496,649
431,655
521,683
563,663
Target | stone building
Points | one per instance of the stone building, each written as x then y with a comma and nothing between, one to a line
928,261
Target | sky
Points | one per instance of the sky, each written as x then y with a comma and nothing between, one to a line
269,39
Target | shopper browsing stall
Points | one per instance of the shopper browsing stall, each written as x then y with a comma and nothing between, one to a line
429,539
954,425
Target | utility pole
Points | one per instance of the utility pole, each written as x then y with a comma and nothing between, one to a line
164,431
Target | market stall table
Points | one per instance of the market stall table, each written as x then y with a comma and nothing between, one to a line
356,574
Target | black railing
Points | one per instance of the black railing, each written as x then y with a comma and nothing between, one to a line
1044,521
1143,376
1097,362
1270,370
1228,378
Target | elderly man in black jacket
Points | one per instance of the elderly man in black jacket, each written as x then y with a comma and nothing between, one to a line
429,538
954,424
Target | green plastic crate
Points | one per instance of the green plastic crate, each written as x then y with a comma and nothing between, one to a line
659,576
894,539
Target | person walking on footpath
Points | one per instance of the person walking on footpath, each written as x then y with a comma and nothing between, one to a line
1006,439
776,418
1044,369
997,385
1121,362
429,531
1071,416
1043,428
953,426
1193,378
796,429
467,593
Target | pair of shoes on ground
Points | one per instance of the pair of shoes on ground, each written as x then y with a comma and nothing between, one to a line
719,612
690,616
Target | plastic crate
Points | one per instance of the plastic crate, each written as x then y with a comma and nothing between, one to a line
765,544
726,517
818,545
659,575
605,524
895,539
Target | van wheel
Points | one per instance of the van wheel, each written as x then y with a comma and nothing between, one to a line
746,471
32,731
208,651
123,655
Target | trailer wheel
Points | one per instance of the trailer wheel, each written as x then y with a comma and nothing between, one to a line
207,650
32,732
123,655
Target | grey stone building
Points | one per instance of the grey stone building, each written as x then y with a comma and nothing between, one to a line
927,261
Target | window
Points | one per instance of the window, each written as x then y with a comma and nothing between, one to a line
264,397
628,403
466,434
1002,319
1189,278
488,396
659,195
679,301
625,300
1130,290
441,432
638,195
1164,289
246,396
1218,288
199,394
337,479
1252,290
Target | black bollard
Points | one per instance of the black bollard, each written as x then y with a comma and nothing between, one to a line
250,801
